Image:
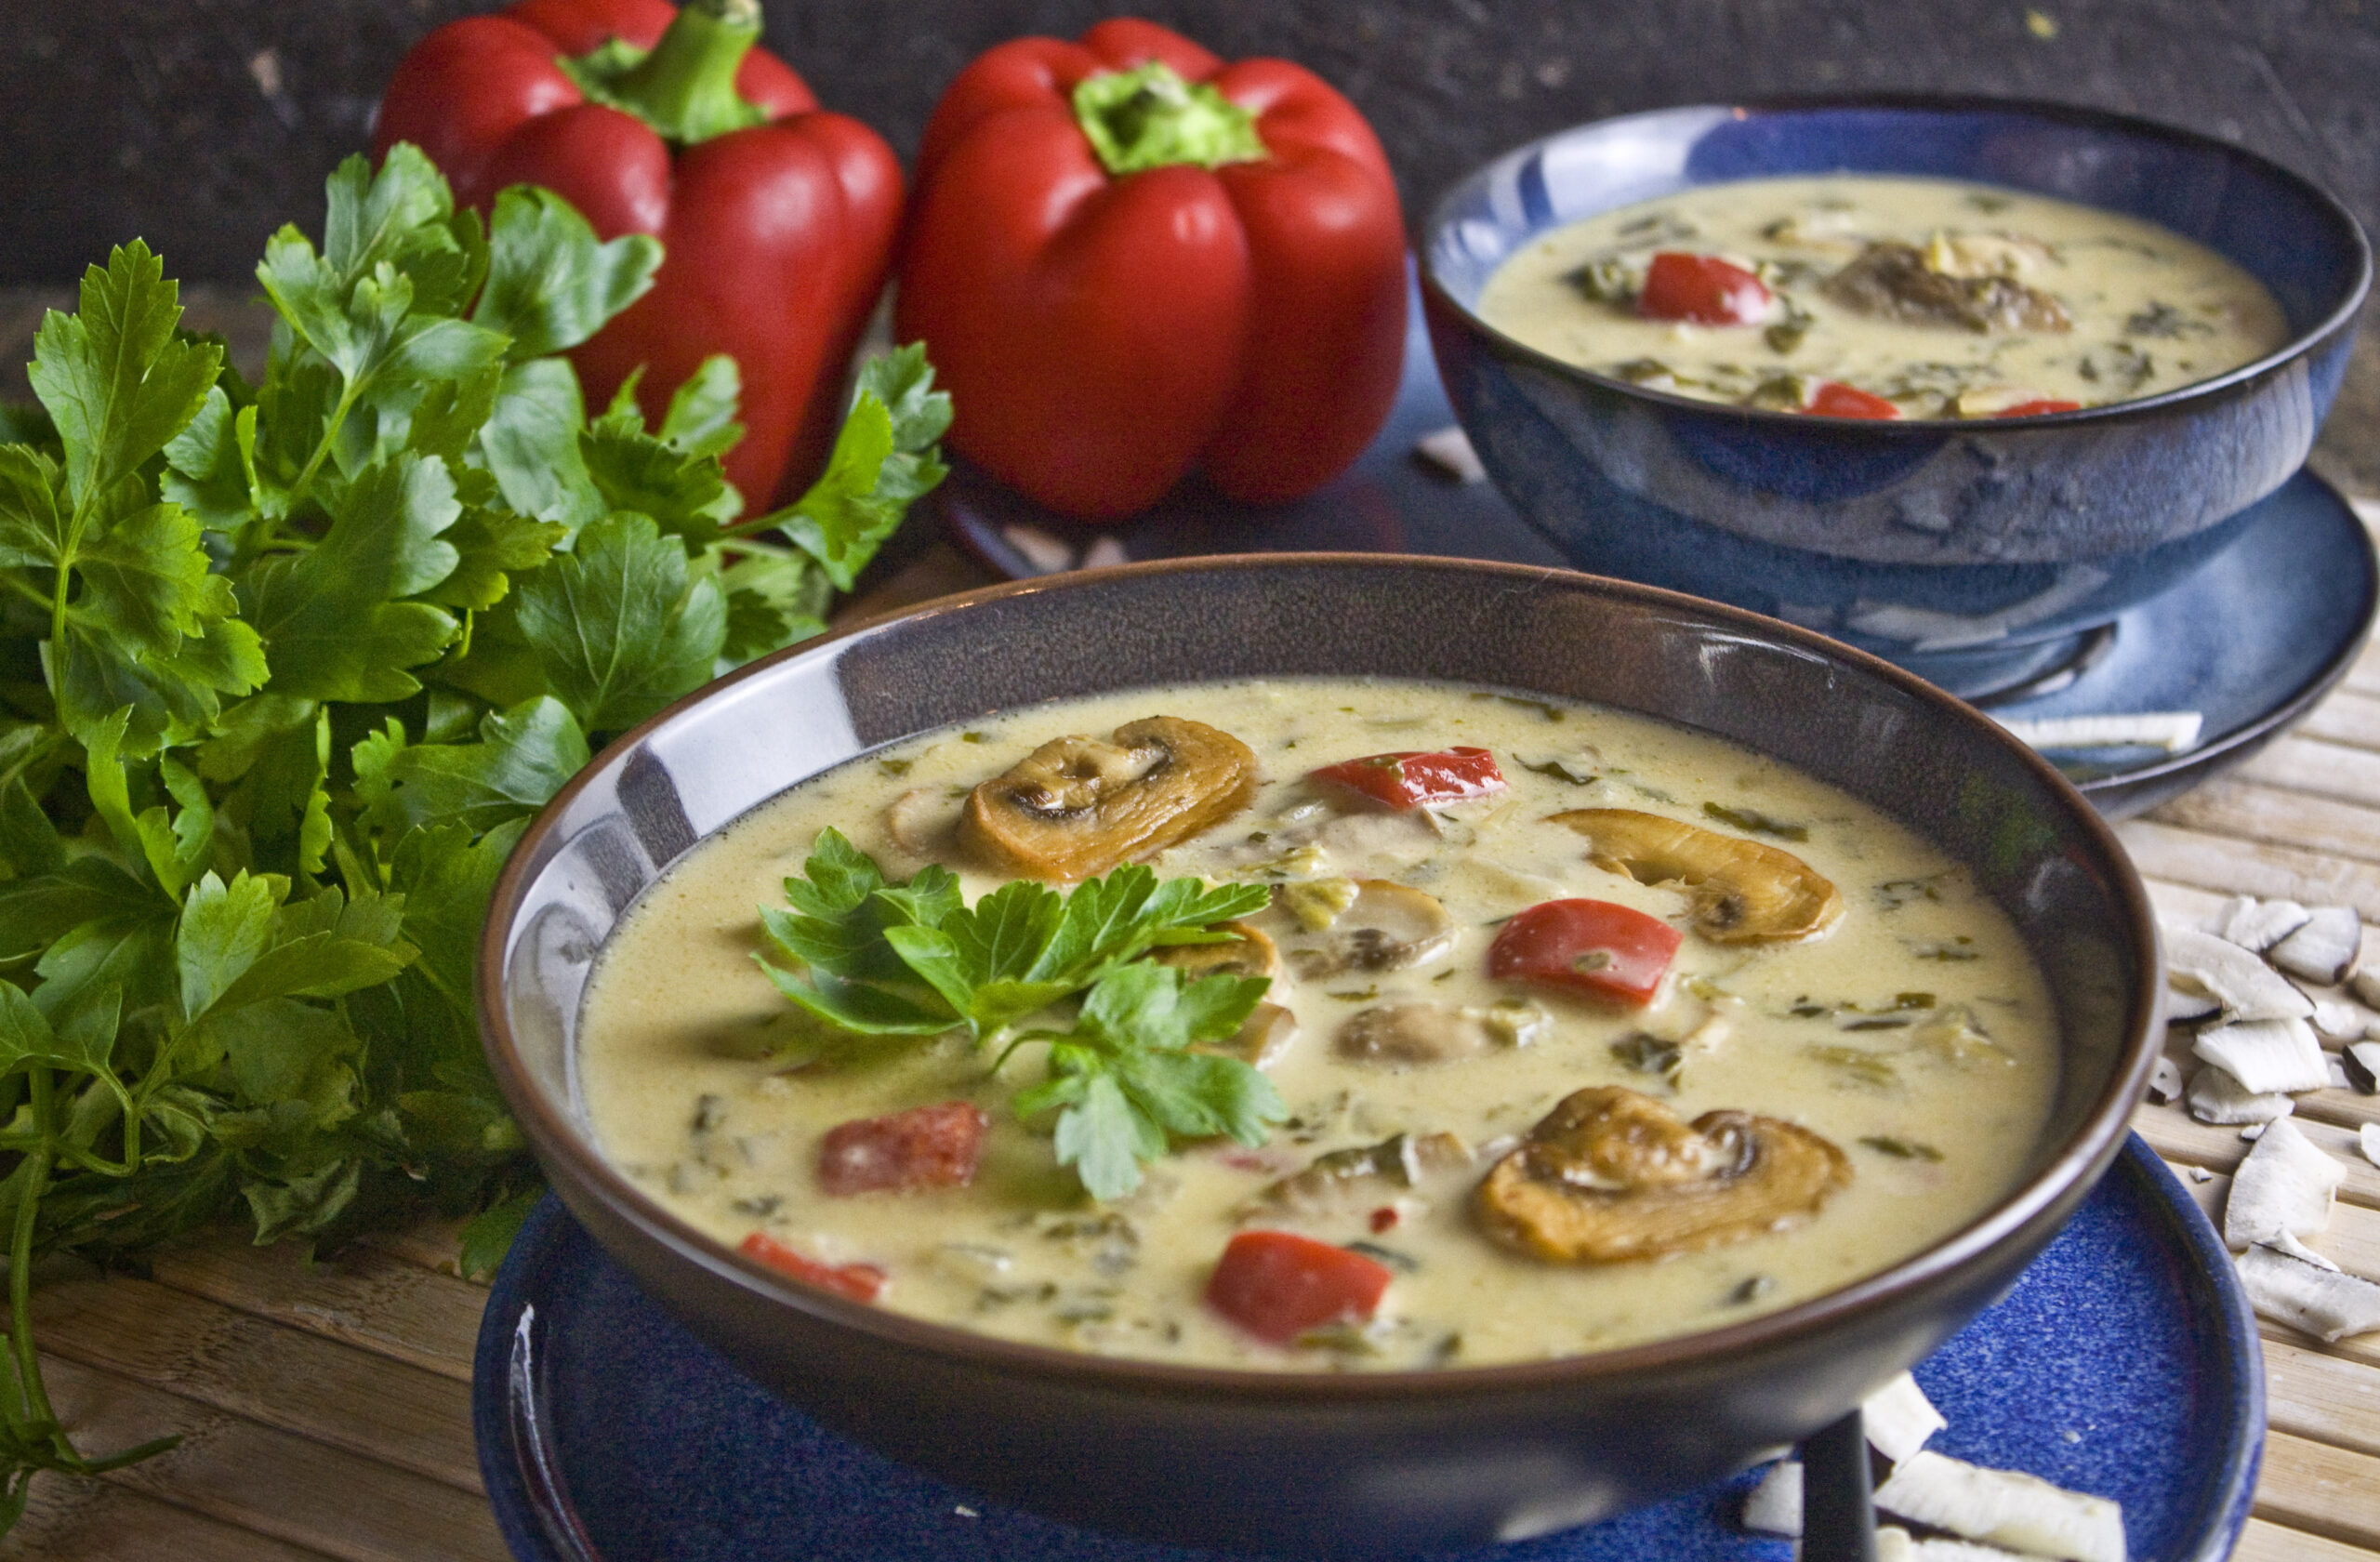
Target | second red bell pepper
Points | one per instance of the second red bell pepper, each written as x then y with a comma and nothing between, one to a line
1129,258
776,220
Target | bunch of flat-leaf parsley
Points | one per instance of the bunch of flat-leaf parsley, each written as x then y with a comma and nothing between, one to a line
284,669
872,959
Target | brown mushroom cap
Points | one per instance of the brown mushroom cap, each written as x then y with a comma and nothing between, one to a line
1338,1181
1742,892
1077,806
1611,1175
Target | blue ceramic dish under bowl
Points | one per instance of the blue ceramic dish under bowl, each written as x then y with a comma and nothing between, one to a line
1975,553
1304,1462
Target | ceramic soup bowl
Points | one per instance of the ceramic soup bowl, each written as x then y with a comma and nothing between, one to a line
1324,1463
1975,552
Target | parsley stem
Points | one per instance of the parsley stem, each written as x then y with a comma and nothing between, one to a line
30,1386
321,448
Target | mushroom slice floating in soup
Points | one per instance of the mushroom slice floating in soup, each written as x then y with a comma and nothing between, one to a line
1338,1181
1388,926
1741,892
1928,288
1077,806
1611,1175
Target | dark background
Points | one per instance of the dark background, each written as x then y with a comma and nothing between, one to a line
203,125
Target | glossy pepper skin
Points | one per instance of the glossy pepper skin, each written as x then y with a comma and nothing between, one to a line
1103,334
776,237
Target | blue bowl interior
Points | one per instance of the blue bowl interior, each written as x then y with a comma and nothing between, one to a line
2278,227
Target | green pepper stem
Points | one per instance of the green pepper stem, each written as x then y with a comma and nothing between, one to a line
685,88
1149,117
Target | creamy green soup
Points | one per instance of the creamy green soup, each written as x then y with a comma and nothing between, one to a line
1945,299
1912,1034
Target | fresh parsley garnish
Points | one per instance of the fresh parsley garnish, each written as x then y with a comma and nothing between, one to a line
295,662
866,957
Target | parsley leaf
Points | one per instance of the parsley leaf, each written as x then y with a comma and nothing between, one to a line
1125,1081
550,283
883,458
617,625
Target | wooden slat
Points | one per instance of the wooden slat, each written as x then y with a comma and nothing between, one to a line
2235,866
273,1482
2264,1541
2241,808
2317,766
2317,1394
2348,716
301,1383
367,1298
103,1521
2329,1492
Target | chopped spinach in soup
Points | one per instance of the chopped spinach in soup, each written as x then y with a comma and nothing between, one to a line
1319,1025
1866,295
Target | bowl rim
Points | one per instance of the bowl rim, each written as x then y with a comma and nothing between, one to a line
2097,1137
1946,105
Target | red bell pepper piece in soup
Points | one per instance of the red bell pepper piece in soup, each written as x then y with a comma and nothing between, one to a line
1702,289
1410,780
776,219
1130,258
1590,946
861,1283
1279,1285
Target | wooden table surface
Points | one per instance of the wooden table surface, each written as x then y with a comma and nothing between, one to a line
324,1412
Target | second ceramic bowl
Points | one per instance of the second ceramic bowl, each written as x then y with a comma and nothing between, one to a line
1972,552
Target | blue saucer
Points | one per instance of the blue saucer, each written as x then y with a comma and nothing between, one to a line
2123,1363
2251,640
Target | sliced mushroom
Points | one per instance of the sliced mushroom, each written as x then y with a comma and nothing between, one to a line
1342,1179
923,827
1388,926
1250,954
1611,1175
1261,1038
1894,281
1414,1033
1076,806
1741,892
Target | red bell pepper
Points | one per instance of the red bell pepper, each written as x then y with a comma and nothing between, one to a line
1590,946
2035,409
1278,1285
1404,781
1129,258
1702,288
776,219
1831,398
861,1283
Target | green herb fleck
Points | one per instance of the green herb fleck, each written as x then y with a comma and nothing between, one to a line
1755,823
1901,1149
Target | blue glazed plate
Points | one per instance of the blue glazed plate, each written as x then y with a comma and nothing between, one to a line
2124,1362
2251,640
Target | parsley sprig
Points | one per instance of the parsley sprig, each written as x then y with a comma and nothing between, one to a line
290,665
867,957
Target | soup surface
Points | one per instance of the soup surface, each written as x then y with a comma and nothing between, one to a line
1933,298
1913,1035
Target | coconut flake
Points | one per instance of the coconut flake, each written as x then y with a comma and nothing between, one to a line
1900,1417
2285,1243
2336,1021
2267,1056
2324,949
1450,450
2367,1139
1939,1550
1775,1505
2165,1081
1044,553
2320,1302
2365,984
2004,1507
1103,552
2361,1065
2233,977
2188,1008
2218,1098
2284,1185
2254,1131
2260,924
